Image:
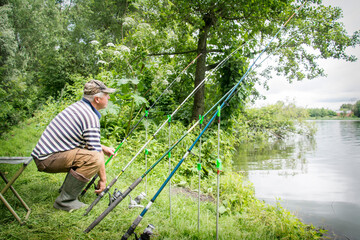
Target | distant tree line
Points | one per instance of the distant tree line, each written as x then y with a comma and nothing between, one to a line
322,112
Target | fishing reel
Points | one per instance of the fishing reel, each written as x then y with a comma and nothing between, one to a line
114,196
136,202
147,233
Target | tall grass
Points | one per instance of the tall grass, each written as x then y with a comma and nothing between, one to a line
242,216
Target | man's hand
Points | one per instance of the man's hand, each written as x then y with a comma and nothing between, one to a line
100,186
108,151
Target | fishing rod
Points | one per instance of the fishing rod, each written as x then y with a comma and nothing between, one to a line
121,196
146,151
140,217
218,166
201,119
169,121
156,132
135,126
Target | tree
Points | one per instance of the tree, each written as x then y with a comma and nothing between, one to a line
346,106
17,94
356,109
46,44
321,112
215,28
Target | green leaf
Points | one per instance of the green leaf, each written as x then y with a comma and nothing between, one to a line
139,100
134,80
122,81
222,209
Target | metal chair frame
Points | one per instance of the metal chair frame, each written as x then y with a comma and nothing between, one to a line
25,161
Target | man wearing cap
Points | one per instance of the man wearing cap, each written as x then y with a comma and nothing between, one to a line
71,143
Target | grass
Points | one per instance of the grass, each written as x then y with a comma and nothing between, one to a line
243,216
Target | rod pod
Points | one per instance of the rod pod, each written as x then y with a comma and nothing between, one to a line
157,131
132,187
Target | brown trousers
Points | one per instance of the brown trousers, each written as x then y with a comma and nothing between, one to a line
86,163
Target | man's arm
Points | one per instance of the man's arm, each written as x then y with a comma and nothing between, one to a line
108,151
102,182
102,173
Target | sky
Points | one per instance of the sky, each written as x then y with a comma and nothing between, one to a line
342,83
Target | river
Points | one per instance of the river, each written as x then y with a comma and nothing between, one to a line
317,179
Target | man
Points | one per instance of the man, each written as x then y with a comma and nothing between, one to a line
71,143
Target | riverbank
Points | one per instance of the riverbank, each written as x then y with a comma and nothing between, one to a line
335,118
242,215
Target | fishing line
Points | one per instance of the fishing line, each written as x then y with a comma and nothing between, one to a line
140,217
135,126
137,181
157,131
281,46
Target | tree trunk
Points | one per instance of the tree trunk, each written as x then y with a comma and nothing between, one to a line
199,97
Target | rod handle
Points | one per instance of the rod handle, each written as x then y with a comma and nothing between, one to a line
89,185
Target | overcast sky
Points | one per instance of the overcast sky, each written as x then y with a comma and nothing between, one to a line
342,84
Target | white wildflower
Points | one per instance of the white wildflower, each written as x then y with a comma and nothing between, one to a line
110,44
165,82
101,62
128,21
99,52
124,48
117,53
168,72
94,42
144,26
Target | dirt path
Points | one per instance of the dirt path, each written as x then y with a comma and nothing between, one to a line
193,194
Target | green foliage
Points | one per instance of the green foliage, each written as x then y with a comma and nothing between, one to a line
15,93
356,109
321,112
222,26
273,121
51,48
44,44
346,106
242,215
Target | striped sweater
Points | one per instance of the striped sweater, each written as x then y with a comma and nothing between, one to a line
77,126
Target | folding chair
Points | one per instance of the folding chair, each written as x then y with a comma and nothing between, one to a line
14,160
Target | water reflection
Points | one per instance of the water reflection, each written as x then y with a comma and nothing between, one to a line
317,179
288,156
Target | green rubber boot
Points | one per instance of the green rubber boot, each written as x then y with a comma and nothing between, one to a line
71,189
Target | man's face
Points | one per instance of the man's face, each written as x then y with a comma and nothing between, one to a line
103,101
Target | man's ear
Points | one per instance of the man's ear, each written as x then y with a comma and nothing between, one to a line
96,99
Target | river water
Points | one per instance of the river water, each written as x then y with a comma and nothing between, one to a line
316,179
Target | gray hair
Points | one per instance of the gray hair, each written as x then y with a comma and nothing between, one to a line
90,98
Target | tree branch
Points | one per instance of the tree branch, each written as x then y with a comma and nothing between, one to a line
173,53
185,52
